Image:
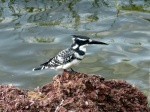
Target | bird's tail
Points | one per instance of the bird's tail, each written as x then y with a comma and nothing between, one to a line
40,68
43,66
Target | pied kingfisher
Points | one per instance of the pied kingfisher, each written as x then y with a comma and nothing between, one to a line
70,56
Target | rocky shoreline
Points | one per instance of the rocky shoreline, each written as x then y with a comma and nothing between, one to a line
75,92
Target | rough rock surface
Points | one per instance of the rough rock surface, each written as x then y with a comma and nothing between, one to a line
75,92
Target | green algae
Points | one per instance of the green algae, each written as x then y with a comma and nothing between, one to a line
134,7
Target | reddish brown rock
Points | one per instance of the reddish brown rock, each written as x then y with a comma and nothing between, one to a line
75,92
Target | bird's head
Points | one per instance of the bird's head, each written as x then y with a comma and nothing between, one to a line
82,41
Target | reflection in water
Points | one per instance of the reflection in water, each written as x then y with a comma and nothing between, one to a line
44,13
32,31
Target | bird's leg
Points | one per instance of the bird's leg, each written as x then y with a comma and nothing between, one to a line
65,70
72,70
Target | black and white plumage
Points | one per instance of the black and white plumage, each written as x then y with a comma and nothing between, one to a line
70,56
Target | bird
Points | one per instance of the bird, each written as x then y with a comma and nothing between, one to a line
68,57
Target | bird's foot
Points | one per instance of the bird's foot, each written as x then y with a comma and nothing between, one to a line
71,70
65,70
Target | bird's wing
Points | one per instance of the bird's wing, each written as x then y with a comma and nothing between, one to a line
63,57
46,63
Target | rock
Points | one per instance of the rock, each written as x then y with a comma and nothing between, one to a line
75,92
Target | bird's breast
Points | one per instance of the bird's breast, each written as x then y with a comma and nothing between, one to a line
68,65
79,56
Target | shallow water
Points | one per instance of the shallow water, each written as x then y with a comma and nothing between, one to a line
33,31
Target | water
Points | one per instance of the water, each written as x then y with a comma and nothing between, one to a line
33,31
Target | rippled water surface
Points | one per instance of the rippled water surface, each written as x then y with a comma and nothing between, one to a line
32,31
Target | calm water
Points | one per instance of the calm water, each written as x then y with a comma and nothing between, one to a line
33,31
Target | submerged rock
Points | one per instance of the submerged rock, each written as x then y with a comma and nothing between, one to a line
75,92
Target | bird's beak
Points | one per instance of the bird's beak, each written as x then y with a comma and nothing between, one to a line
97,42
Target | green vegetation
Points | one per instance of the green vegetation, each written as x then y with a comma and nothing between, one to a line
43,40
33,9
134,7
52,23
125,59
148,19
93,17
138,44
